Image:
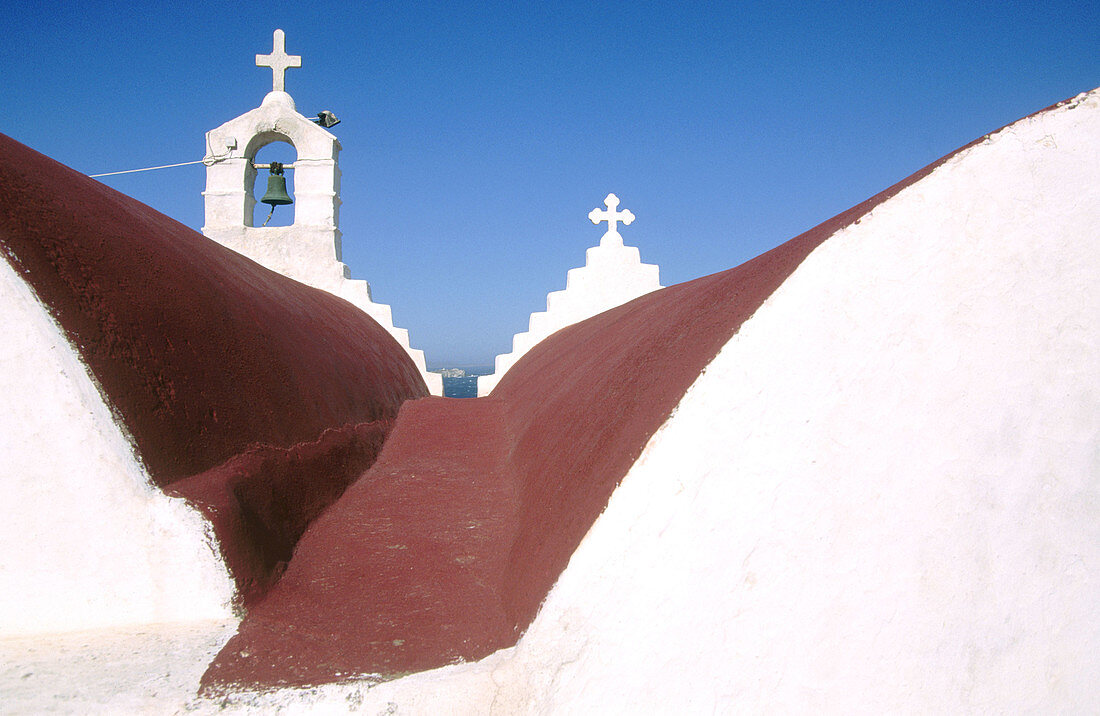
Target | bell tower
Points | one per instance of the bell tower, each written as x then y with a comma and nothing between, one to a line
309,250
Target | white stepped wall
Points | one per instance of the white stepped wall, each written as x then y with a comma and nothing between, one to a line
613,274
883,495
357,292
308,255
87,540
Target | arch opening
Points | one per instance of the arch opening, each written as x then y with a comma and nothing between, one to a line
270,148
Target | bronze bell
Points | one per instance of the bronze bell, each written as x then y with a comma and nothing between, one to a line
276,188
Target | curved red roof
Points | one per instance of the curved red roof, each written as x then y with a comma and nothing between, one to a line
200,351
254,396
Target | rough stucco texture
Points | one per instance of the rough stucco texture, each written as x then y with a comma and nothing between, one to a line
261,501
201,352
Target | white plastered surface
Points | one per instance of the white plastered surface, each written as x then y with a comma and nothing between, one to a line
87,540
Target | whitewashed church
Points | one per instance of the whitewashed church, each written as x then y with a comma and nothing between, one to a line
865,478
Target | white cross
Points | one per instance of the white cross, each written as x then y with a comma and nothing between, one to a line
278,61
611,216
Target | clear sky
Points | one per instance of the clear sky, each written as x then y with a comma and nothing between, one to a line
477,136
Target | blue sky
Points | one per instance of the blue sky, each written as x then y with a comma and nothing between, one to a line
477,137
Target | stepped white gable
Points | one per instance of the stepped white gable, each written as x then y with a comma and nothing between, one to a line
310,249
613,274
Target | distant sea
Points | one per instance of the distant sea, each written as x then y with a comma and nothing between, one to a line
462,383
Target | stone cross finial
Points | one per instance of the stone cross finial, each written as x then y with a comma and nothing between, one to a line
610,215
278,61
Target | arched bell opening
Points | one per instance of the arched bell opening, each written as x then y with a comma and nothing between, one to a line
269,147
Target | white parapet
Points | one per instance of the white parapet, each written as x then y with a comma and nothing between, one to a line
612,275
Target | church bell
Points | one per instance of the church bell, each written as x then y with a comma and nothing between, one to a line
276,188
